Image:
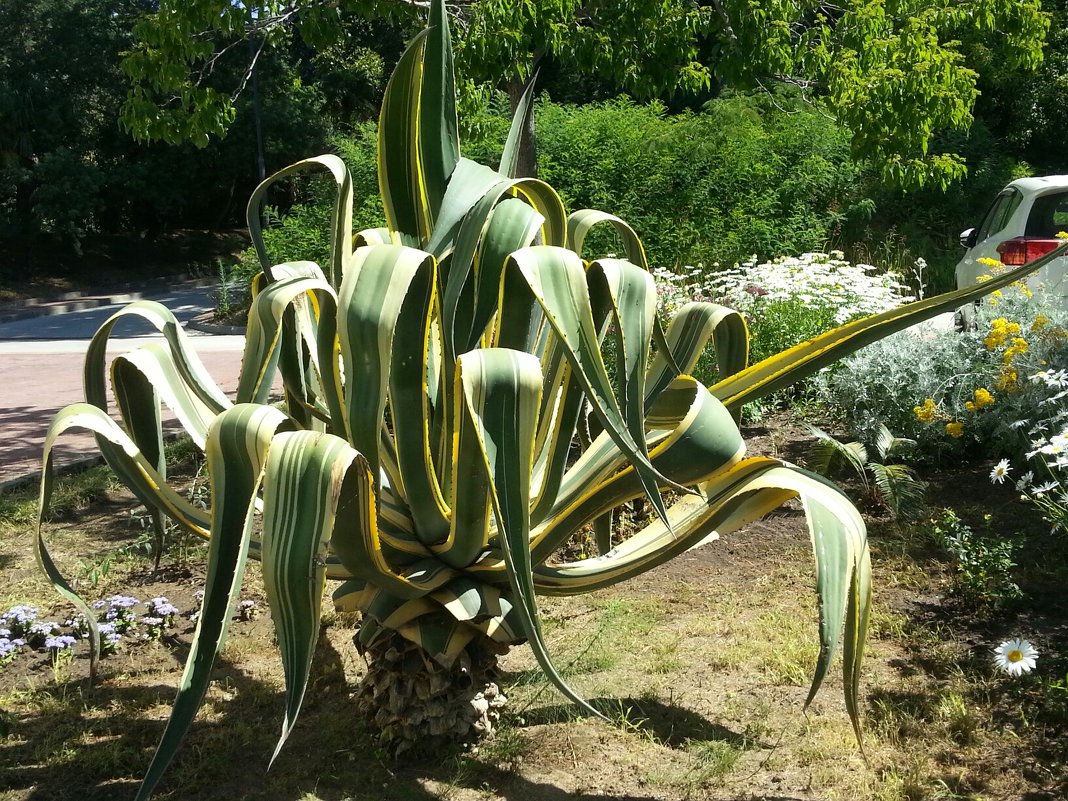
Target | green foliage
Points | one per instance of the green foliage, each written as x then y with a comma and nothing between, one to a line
983,562
893,486
946,368
740,177
893,74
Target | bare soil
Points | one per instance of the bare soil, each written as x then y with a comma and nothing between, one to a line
704,664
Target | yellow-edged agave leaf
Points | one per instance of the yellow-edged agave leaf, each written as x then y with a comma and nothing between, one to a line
501,391
385,305
238,444
579,225
340,223
141,379
556,280
732,499
495,226
131,466
184,357
305,476
688,336
788,367
401,181
439,142
265,328
701,442
521,120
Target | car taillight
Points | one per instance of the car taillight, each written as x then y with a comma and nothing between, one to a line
1022,249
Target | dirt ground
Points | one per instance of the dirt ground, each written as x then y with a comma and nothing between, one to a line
707,660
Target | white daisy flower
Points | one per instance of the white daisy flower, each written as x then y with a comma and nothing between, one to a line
1015,656
1025,481
1042,489
1000,472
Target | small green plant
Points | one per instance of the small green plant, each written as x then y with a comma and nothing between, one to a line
893,486
984,562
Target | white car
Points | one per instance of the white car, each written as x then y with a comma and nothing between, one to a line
1021,225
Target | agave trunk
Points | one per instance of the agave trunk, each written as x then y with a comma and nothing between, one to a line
418,706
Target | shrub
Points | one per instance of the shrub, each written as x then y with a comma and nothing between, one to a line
966,391
787,300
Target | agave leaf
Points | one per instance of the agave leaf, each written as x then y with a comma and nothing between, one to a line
556,280
501,390
687,337
439,141
305,476
521,122
340,222
238,443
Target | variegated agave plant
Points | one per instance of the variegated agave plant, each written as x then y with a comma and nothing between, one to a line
436,377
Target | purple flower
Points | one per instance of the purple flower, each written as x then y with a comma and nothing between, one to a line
19,618
109,638
8,648
39,632
161,607
60,643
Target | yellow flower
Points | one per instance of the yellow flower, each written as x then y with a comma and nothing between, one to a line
1008,380
969,406
1062,234
955,429
925,413
989,262
1039,323
983,398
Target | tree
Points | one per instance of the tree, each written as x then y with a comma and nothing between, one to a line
892,71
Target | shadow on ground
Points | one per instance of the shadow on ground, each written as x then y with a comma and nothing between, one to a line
92,744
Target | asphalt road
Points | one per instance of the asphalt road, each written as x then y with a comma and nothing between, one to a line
41,362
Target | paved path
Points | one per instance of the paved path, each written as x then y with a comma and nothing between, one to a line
41,372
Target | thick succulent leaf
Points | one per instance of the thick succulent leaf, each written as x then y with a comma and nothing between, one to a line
732,499
494,227
131,466
687,337
385,305
556,279
388,300
631,294
267,329
185,360
305,476
340,222
512,225
141,379
784,369
501,390
579,225
520,123
401,180
439,142
696,439
237,448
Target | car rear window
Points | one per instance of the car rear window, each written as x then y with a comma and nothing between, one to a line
1049,215
998,217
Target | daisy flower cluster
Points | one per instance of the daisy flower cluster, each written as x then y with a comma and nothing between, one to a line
825,280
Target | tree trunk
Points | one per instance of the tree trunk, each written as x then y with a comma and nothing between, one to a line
421,707
528,145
